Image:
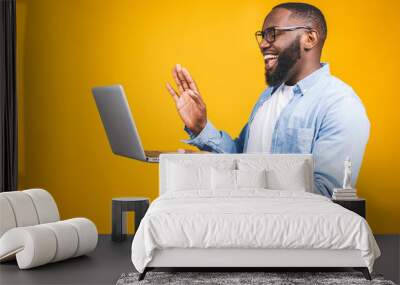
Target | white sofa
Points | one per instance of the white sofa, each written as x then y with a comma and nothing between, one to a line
31,231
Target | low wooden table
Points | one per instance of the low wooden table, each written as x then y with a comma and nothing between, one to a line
119,208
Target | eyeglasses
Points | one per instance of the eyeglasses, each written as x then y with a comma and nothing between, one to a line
269,34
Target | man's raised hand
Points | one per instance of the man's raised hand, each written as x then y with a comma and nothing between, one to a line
188,101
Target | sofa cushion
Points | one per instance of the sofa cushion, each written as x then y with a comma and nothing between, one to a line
46,207
7,220
23,208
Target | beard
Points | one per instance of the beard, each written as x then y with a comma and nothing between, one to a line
286,60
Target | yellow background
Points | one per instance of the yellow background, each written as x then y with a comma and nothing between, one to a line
65,47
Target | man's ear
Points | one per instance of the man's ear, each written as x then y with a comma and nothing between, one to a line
311,39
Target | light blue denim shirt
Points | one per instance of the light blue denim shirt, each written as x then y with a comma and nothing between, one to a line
325,118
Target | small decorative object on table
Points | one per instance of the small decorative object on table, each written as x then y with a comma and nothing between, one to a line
347,195
346,192
119,208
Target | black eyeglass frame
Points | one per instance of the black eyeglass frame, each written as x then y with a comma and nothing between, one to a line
272,32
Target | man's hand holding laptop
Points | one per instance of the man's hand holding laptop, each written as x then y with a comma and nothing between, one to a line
188,101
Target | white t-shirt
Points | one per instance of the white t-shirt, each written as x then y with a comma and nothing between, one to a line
263,124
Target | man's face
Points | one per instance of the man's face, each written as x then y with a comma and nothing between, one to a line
282,56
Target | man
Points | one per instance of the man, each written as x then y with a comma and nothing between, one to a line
304,110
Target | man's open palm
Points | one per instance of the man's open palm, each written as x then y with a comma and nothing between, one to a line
188,101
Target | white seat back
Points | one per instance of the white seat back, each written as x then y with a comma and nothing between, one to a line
26,208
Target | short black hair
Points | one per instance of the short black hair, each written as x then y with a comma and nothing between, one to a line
309,12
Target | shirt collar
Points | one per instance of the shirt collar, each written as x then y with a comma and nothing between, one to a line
307,82
301,87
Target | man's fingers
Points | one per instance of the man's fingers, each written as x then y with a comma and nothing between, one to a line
172,92
177,80
189,79
181,77
196,98
196,95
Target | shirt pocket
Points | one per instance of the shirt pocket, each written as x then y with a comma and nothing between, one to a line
299,140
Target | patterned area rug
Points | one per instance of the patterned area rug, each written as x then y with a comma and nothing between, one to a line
269,278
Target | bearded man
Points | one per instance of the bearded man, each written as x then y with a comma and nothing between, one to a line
304,109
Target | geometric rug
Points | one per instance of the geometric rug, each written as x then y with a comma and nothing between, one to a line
244,278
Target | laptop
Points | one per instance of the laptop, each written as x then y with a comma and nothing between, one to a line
119,125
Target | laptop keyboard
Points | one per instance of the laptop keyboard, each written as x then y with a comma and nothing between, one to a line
153,153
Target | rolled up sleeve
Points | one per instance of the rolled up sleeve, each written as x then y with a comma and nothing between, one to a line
211,139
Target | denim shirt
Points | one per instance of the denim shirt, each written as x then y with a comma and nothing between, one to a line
325,118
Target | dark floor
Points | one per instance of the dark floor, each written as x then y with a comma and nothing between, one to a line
103,266
111,259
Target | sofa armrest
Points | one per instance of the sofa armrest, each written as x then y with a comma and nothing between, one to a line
40,244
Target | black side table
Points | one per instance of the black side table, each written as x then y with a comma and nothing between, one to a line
119,208
356,205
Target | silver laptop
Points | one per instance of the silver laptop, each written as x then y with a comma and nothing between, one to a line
119,125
